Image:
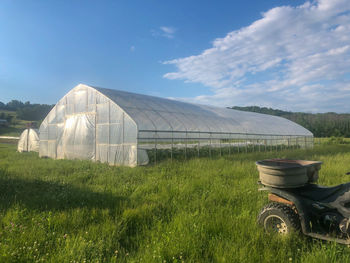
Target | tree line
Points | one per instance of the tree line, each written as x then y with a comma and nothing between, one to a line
25,110
320,124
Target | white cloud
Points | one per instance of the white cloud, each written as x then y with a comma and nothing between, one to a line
164,31
295,58
168,30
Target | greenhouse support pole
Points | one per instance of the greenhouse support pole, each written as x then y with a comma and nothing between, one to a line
172,146
210,146
259,145
220,147
293,143
229,147
276,144
282,144
271,145
199,135
256,145
288,142
186,147
297,142
155,148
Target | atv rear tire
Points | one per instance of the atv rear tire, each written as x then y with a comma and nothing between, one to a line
276,217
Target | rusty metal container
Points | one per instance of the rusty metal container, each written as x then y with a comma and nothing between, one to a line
285,173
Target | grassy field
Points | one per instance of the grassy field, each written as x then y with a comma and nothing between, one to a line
200,210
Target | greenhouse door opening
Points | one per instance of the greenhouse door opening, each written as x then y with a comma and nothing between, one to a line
78,138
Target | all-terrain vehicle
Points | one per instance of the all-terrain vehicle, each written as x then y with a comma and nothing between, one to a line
298,204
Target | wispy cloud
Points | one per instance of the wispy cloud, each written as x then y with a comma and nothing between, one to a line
293,57
164,31
168,31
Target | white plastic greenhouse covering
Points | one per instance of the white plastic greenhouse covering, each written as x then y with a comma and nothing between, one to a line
28,141
118,127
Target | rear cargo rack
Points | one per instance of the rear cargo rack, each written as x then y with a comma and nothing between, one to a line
287,173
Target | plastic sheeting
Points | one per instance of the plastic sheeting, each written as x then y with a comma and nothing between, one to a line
28,141
158,114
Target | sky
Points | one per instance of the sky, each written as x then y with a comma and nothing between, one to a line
285,54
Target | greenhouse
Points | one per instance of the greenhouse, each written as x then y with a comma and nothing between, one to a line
28,141
123,128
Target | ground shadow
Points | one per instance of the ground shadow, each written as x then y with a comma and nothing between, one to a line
41,195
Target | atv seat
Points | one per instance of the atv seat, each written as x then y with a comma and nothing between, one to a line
322,193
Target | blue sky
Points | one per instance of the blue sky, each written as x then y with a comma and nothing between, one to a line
292,55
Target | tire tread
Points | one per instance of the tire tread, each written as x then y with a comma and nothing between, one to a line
291,216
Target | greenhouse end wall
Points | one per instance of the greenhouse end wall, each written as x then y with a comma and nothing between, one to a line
87,125
28,141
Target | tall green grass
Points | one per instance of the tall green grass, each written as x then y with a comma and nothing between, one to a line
200,210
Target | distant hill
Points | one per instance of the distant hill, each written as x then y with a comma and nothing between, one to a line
20,115
24,110
320,124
